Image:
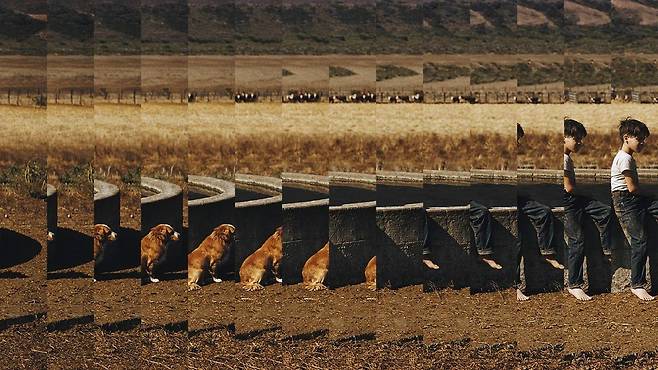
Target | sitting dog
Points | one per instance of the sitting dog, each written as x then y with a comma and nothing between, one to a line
154,248
264,259
208,255
371,274
315,269
103,235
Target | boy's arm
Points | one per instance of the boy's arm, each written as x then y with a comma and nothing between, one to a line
633,186
569,184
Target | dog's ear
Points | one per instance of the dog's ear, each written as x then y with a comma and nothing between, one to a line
98,232
158,232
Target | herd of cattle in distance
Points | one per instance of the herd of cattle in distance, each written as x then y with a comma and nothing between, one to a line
369,97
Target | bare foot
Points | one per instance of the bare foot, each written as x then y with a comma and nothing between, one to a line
216,280
493,264
553,262
431,264
579,294
278,280
642,294
520,296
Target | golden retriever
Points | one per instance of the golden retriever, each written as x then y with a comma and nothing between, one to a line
315,269
371,274
154,248
265,259
103,235
208,255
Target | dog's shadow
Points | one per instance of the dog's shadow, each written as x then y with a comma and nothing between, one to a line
16,248
71,249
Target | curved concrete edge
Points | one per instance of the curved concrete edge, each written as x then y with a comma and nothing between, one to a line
489,176
309,204
313,181
348,206
363,180
107,204
440,177
104,190
163,189
400,207
224,189
263,184
449,209
50,190
398,177
51,208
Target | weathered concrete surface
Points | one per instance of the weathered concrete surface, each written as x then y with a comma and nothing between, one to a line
449,242
305,223
107,204
352,226
204,214
256,220
51,208
352,230
400,237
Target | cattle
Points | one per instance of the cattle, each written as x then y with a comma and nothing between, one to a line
534,100
246,98
465,99
415,98
301,97
354,97
191,97
596,100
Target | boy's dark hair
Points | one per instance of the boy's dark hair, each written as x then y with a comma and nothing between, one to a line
573,128
519,131
633,127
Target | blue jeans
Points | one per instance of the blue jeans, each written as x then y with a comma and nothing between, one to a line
480,220
541,217
601,214
631,210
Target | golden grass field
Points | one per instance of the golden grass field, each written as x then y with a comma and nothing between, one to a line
173,140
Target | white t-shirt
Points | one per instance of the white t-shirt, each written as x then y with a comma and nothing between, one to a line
568,169
622,162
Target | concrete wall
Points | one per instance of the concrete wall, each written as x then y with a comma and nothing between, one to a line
305,225
107,205
256,220
449,242
400,237
205,214
51,208
352,239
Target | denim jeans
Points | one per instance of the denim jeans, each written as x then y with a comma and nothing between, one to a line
601,214
631,210
541,217
480,220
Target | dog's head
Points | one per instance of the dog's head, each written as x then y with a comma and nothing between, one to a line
104,233
164,233
224,232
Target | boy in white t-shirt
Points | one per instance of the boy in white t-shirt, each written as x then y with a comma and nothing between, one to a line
631,206
575,205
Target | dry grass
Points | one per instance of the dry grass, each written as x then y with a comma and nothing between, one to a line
171,141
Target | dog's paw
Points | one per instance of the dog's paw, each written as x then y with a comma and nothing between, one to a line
253,287
217,280
193,286
372,287
154,280
278,280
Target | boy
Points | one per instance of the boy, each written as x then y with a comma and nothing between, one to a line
541,217
630,204
574,207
